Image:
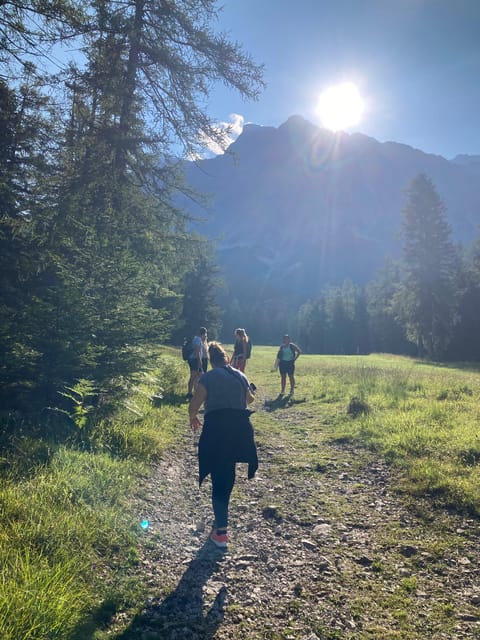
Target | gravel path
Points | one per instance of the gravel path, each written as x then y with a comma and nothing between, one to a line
317,552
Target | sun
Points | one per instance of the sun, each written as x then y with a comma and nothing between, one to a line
340,106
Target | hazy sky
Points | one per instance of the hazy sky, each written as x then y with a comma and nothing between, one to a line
416,64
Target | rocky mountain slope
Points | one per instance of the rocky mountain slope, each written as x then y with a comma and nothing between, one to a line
301,205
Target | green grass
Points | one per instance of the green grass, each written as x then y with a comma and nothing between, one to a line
422,418
67,532
144,424
60,529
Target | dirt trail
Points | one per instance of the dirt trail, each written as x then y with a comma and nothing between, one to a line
317,552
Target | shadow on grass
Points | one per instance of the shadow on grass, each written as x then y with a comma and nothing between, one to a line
172,399
280,402
180,614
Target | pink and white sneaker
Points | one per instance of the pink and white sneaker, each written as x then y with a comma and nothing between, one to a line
220,540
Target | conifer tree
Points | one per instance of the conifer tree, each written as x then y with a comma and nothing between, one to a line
465,343
27,271
110,244
387,333
202,283
426,301
312,326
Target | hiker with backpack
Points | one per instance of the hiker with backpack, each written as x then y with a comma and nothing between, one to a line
241,350
286,356
197,358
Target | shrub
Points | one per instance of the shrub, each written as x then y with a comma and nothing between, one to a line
357,407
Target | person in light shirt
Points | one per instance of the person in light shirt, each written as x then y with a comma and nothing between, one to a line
287,354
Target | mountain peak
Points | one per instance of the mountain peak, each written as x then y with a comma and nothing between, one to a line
318,207
252,134
299,125
295,120
251,127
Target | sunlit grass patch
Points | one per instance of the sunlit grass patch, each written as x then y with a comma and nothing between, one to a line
431,435
144,437
60,532
57,507
456,485
421,417
455,393
38,600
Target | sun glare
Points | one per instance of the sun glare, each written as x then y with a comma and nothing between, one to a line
340,107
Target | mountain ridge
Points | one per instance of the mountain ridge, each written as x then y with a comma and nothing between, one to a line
317,207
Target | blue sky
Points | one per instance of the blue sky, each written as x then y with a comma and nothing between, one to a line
416,64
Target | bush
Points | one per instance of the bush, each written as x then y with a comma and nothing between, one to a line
357,407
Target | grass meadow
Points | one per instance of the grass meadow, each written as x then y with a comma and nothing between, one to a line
422,418
68,532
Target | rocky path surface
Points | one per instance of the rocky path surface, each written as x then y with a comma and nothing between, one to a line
318,552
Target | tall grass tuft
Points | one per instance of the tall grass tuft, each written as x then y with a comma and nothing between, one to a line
60,530
39,599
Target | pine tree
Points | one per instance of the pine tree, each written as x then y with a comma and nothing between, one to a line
426,302
465,343
27,269
387,334
311,326
361,323
109,244
199,302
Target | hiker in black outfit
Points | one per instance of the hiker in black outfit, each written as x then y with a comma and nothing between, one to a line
287,354
227,434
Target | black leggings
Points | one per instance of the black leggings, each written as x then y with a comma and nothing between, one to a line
223,479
